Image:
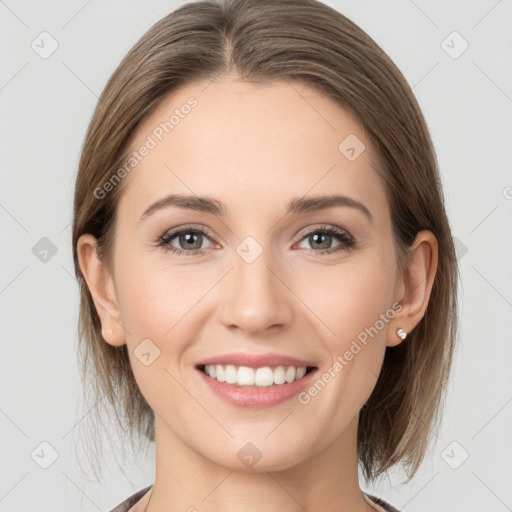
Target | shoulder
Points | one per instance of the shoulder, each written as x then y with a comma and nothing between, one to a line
129,502
387,507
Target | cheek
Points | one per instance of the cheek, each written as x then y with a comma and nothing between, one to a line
154,304
152,294
161,303
351,297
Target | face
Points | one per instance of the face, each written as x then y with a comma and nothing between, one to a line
254,278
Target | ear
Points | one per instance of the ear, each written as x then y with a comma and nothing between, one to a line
416,285
101,285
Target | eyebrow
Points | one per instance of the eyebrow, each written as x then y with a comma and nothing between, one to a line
210,205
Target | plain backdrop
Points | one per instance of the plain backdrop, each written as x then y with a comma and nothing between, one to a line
46,105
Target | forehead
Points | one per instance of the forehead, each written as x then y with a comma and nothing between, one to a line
257,144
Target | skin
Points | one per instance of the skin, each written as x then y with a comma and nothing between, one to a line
255,147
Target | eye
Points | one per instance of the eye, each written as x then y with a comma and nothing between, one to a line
322,238
189,238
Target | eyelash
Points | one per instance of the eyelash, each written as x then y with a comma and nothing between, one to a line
347,242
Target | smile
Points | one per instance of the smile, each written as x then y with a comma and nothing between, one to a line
263,377
267,388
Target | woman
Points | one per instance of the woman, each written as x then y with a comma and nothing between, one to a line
268,279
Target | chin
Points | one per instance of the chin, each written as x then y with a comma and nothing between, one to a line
250,458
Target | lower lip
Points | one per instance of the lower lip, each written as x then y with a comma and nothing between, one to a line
257,398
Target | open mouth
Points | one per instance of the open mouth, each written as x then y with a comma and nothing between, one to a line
264,377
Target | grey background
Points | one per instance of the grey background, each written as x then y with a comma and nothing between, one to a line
46,105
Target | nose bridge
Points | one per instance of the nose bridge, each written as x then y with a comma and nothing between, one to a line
255,297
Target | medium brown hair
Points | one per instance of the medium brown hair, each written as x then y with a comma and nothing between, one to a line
267,41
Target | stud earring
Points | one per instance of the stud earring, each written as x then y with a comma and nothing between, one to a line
401,333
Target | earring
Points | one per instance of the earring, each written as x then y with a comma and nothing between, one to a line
401,333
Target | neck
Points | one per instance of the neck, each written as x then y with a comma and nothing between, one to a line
186,480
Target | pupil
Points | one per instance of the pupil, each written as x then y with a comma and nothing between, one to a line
190,238
316,236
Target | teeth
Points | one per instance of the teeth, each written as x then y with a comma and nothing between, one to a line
261,377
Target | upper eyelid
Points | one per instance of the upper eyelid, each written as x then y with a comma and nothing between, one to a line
324,227
172,233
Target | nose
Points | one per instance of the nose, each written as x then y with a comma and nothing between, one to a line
256,296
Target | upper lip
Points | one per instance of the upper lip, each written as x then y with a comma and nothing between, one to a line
256,361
